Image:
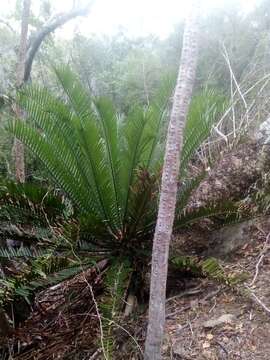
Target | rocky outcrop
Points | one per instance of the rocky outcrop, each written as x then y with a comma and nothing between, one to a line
233,176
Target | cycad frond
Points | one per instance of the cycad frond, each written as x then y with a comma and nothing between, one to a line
132,147
228,210
116,283
29,202
10,252
186,188
205,110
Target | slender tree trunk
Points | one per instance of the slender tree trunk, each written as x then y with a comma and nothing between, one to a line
18,147
168,192
25,61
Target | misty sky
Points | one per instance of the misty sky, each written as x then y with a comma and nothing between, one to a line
138,17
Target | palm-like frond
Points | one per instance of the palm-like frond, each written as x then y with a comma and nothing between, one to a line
29,202
228,210
22,252
205,109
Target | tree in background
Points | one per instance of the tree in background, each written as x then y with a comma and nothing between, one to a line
18,148
169,184
26,57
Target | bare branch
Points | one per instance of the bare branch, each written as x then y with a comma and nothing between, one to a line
6,23
54,23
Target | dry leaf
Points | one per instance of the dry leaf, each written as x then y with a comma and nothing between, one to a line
206,345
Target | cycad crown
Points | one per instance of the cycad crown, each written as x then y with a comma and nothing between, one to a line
108,164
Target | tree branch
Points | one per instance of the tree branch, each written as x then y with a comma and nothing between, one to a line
48,28
6,23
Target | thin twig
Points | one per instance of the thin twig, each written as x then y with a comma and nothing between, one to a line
95,355
262,255
258,301
185,293
185,308
222,347
126,331
6,23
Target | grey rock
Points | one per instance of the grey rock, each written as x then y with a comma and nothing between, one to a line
223,319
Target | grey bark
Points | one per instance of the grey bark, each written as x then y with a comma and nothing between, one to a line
25,62
18,148
168,192
48,28
4,324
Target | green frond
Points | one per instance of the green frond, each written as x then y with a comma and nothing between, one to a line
228,210
209,267
131,151
62,130
205,109
29,203
109,122
28,289
186,188
91,143
22,252
116,283
41,147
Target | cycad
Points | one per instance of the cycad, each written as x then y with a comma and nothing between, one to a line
101,159
109,164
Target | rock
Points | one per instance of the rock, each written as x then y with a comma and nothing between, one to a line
226,240
263,133
223,319
180,352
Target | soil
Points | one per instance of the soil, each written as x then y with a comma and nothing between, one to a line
246,334
206,320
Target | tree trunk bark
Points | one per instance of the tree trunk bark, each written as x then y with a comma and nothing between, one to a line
18,147
25,62
168,193
47,29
